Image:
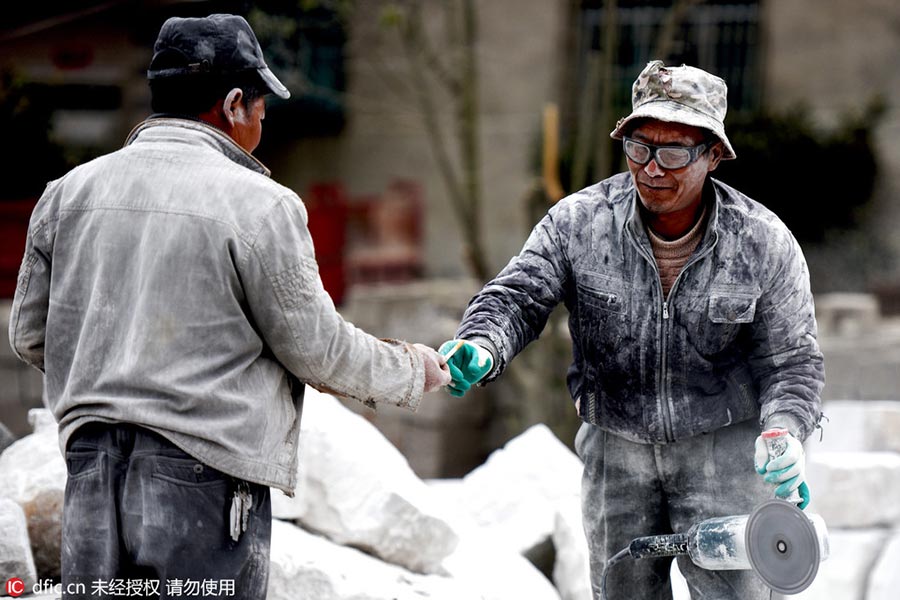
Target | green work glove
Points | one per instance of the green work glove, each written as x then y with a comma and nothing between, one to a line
468,363
787,472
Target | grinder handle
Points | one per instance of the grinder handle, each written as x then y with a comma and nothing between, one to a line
674,544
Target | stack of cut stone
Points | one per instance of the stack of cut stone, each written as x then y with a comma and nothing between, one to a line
854,480
362,525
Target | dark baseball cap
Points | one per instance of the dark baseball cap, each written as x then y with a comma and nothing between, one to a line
217,45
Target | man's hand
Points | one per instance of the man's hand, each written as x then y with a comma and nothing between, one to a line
787,471
437,375
468,363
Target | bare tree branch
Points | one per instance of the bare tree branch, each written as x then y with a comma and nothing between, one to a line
430,58
468,137
603,158
397,84
464,187
587,116
674,18
429,113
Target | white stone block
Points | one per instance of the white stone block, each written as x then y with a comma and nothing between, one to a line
846,314
42,419
572,568
358,490
498,572
514,496
310,567
855,489
289,508
884,582
6,437
844,574
15,549
858,426
33,464
483,560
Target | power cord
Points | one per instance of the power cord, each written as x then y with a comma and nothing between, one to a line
619,556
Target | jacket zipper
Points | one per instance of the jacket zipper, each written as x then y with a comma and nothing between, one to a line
662,387
662,397
663,366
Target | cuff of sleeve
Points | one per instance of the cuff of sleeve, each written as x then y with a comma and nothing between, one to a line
786,421
492,350
417,386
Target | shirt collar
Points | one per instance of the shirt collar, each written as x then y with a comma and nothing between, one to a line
208,134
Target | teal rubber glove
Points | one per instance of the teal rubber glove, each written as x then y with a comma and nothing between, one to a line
468,364
787,472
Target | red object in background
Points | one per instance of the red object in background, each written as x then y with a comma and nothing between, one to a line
72,56
14,217
326,205
390,250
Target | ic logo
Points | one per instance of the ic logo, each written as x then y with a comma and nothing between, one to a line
15,587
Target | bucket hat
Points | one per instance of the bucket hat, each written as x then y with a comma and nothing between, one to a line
682,94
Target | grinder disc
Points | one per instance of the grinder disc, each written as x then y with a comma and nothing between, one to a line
782,546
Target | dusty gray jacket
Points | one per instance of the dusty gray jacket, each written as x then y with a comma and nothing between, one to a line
734,340
173,284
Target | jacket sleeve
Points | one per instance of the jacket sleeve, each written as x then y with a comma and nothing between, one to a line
785,359
298,320
28,315
513,308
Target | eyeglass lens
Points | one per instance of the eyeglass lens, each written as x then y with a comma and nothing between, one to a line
668,157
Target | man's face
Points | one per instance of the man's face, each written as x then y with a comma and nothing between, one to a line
247,128
671,191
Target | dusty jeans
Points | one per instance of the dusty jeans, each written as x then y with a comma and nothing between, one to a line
144,519
630,490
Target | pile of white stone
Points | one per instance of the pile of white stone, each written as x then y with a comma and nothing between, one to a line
854,480
362,525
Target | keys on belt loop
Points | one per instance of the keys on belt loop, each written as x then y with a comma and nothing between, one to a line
241,503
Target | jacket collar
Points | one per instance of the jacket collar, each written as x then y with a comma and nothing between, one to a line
199,132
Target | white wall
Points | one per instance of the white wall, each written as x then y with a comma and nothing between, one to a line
384,138
834,56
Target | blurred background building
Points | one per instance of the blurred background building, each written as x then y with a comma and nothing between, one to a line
426,139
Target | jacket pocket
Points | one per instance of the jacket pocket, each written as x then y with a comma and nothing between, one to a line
721,321
603,335
601,292
745,394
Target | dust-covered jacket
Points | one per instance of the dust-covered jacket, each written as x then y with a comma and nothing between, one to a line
173,284
734,340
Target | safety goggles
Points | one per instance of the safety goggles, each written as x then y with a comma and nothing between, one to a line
667,157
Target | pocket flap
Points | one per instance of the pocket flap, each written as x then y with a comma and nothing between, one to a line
731,309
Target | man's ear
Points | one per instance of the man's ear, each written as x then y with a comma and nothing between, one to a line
232,106
716,152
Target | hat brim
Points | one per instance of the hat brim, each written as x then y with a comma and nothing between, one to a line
272,82
673,112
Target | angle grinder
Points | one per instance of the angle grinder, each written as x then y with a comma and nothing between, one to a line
778,541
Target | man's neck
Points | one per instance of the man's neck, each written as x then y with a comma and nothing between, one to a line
673,226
